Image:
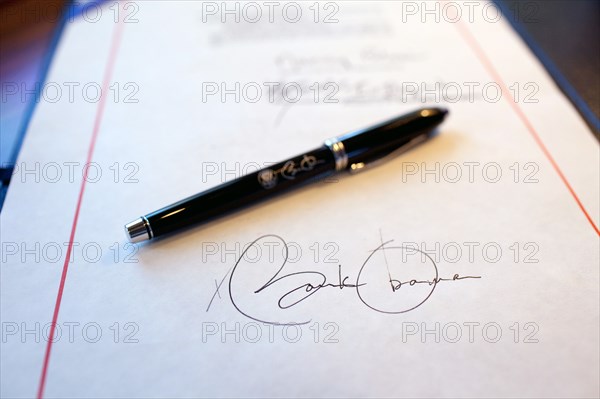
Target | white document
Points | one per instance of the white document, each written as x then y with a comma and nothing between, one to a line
467,267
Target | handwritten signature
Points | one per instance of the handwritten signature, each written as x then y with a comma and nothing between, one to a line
374,285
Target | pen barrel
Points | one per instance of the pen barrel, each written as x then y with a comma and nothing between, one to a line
376,142
243,192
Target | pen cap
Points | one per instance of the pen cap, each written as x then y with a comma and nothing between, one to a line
368,145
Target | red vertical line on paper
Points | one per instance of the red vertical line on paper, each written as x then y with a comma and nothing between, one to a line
487,64
116,39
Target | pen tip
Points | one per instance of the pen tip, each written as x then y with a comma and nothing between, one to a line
436,112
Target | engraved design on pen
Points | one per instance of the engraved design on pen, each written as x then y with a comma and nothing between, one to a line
268,178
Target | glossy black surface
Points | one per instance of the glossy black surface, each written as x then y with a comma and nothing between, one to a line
370,144
244,191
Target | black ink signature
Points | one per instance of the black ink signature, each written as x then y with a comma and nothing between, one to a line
317,281
308,287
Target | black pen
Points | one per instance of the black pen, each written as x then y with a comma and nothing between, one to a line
352,152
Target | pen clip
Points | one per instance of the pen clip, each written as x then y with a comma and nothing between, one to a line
361,166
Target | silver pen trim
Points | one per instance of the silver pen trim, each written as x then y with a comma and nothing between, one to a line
139,230
339,153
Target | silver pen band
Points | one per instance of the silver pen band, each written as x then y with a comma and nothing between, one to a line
339,153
